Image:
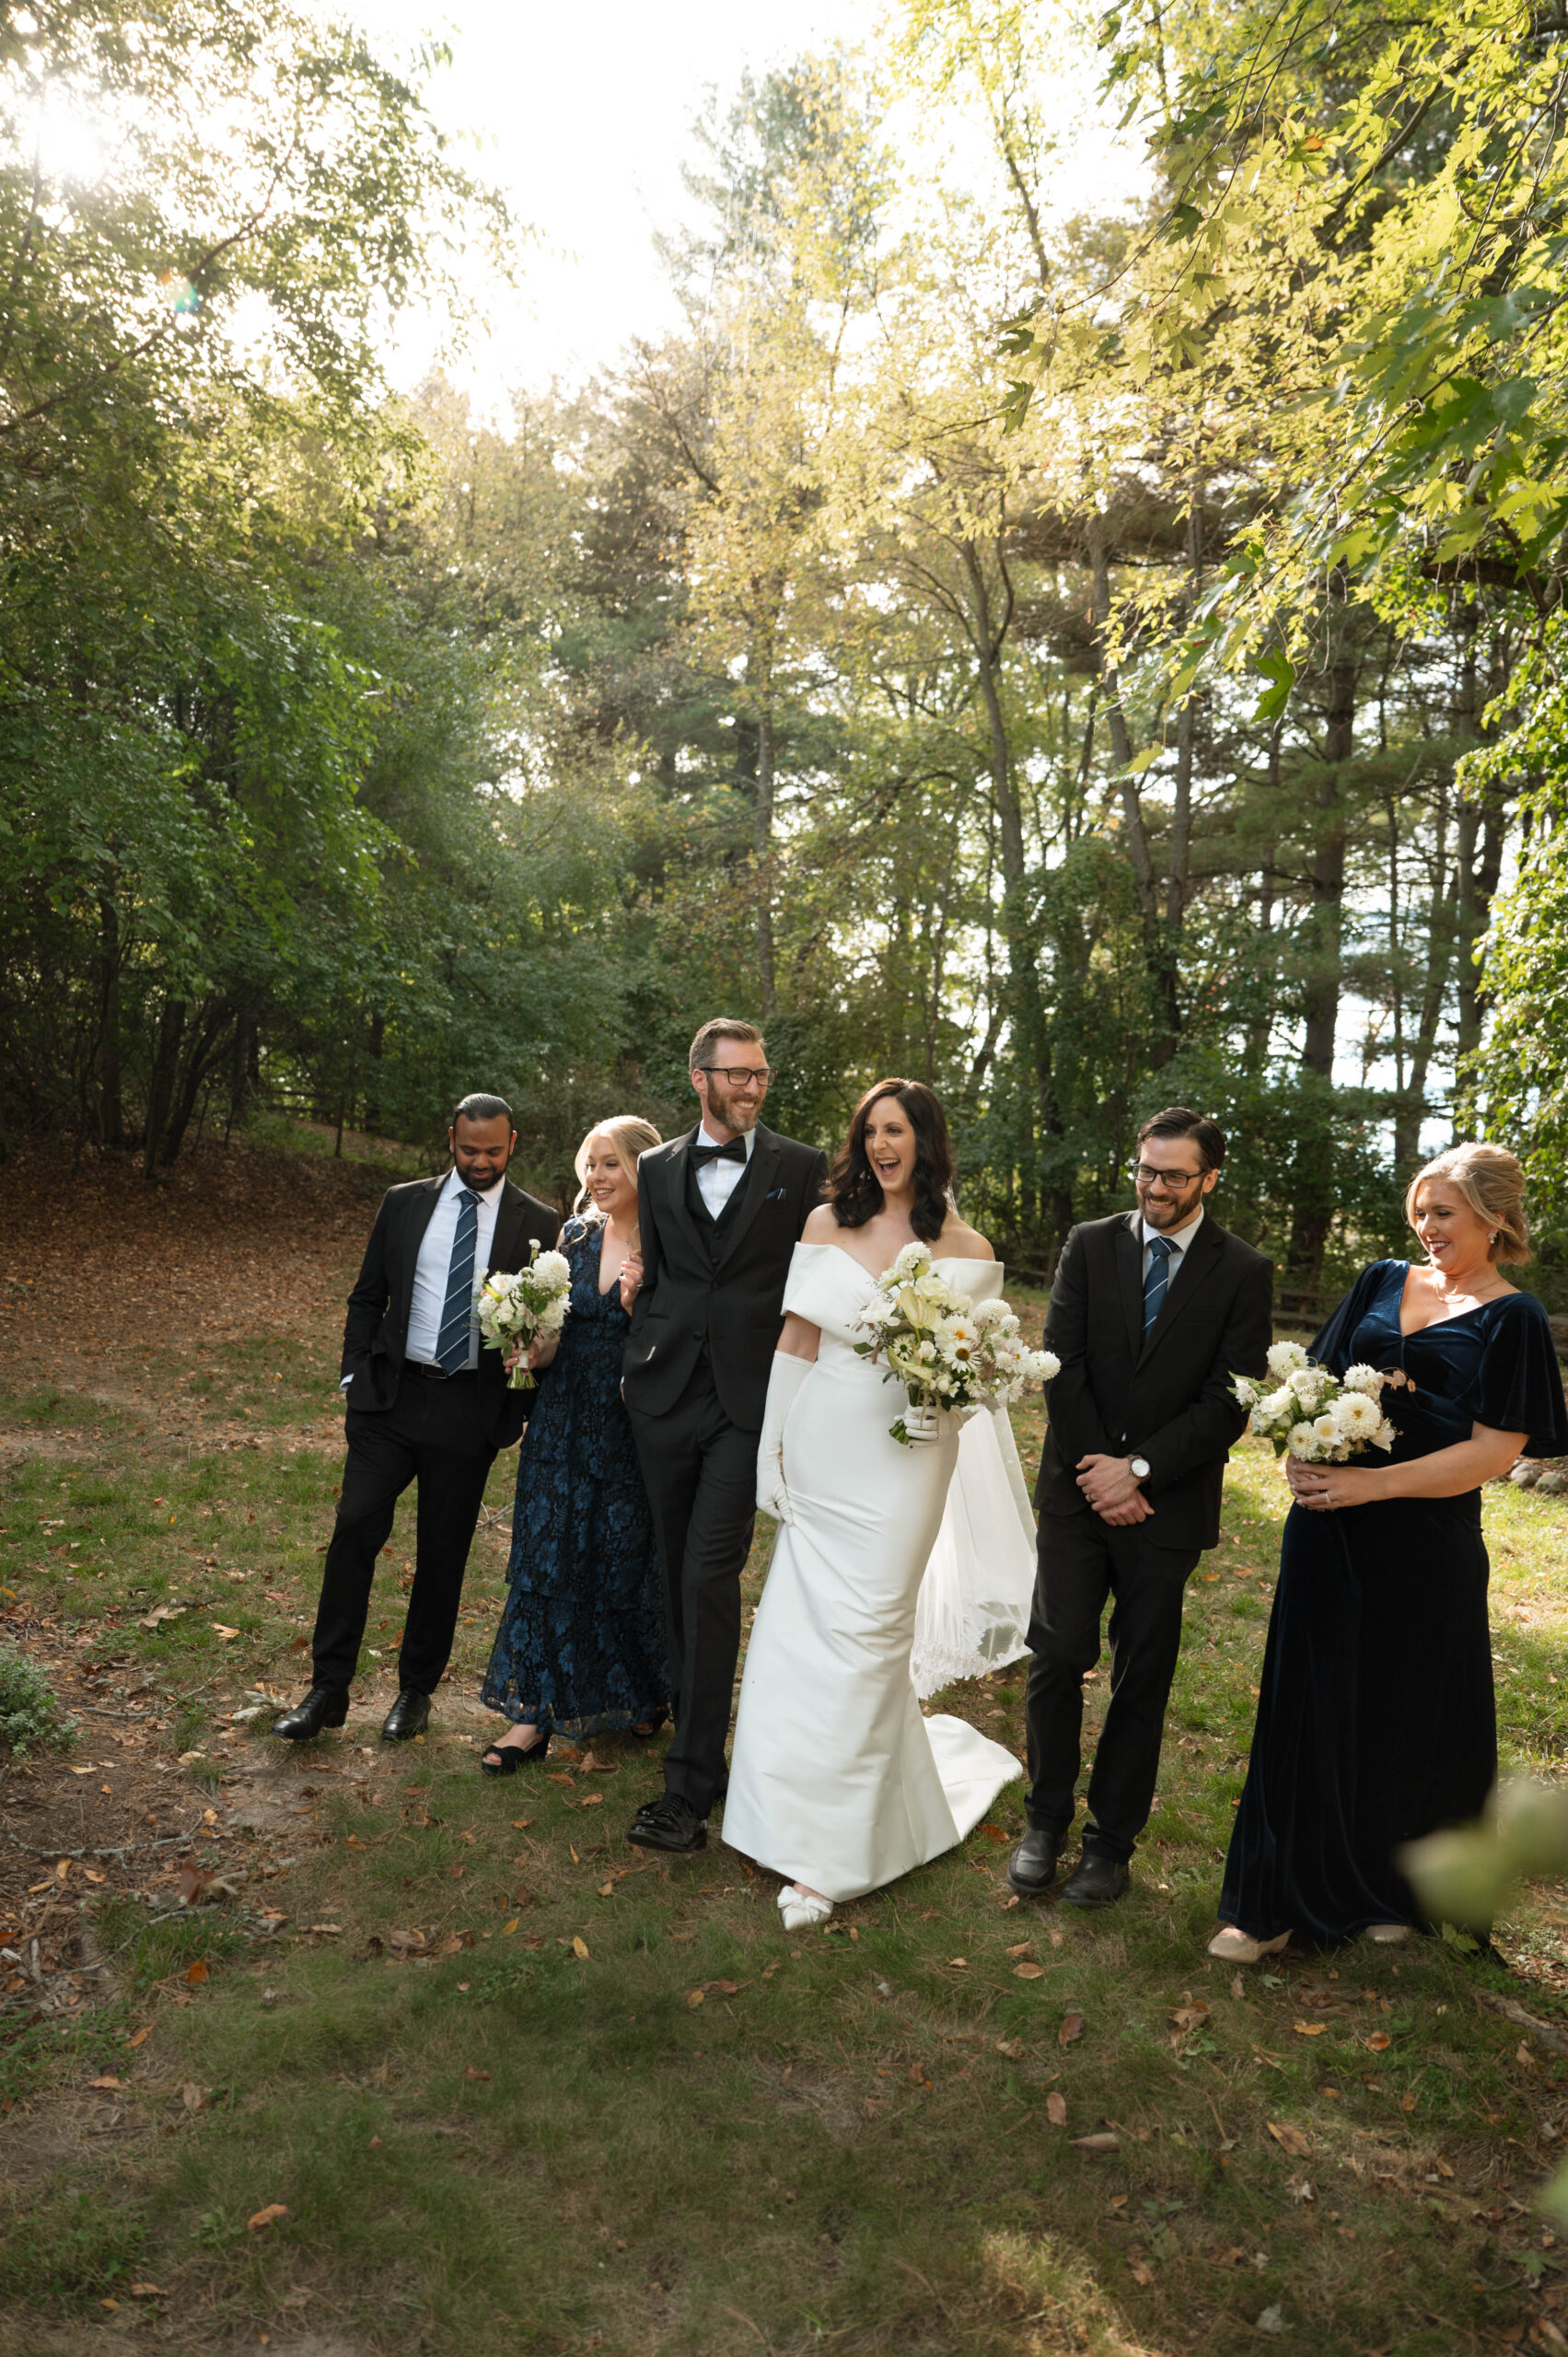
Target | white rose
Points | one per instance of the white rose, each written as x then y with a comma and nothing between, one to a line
1308,1386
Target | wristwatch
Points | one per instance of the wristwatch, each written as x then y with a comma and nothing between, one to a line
1139,1468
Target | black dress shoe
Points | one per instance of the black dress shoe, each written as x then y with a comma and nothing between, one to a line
1096,1881
409,1717
668,1823
1031,1869
324,1706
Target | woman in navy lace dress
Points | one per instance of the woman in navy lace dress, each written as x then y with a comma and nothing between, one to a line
1376,1722
580,1647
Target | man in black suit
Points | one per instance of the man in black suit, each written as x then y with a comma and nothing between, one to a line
720,1212
1152,1313
426,1404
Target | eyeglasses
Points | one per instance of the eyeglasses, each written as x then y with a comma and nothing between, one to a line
742,1075
1177,1180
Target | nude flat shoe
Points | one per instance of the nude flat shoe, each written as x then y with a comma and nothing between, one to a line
1233,1946
800,1911
1387,1936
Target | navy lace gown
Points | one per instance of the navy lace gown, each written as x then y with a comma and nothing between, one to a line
1376,1721
580,1648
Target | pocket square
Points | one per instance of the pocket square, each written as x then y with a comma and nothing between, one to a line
775,1194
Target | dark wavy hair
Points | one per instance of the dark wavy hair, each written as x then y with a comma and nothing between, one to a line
853,1190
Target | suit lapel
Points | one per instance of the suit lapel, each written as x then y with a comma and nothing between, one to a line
508,1242
1129,1268
673,1169
421,1208
760,1179
1197,1263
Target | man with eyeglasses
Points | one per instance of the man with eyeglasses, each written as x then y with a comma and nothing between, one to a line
1152,1312
720,1212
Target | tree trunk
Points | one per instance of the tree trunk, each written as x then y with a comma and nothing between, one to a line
1161,978
764,846
1315,1192
110,1100
160,1085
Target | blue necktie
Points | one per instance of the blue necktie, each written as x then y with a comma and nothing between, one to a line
456,1316
1156,1281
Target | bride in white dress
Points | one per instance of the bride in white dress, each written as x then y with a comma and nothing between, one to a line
837,1782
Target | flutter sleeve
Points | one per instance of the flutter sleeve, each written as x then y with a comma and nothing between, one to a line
1519,1386
1334,1344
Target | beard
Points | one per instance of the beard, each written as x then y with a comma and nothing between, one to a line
737,1113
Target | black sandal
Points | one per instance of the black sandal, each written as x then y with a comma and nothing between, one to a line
510,1756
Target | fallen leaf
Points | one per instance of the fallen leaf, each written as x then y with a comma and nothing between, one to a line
1056,2109
519,1822
694,1997
271,2214
1188,2018
192,2097
161,1612
991,1833
580,1948
590,1800
1105,2140
194,1883
1023,1948
472,2074
606,1890
1301,2188
1310,2029
1012,2046
140,2037
147,2291
108,2080
507,1929
196,1971
225,1634
1140,2274
1378,2040
1289,2139
1027,1971
1072,2029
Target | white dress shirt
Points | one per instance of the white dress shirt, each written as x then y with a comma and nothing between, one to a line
1177,1240
434,1263
716,1181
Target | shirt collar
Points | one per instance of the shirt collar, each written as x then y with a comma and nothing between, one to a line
486,1195
748,1136
1177,1242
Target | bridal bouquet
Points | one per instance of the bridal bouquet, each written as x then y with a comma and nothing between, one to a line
527,1306
947,1351
1319,1419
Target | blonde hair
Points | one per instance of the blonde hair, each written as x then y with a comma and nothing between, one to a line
1491,1181
630,1135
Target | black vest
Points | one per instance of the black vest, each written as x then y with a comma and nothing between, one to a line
714,1231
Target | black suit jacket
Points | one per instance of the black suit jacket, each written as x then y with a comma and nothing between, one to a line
375,1330
732,1309
1168,1399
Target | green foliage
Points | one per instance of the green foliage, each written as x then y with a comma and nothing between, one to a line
31,1715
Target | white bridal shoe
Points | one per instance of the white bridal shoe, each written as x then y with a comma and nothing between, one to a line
1387,1935
799,1910
1234,1947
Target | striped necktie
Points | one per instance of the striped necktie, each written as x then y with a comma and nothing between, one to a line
456,1316
1156,1281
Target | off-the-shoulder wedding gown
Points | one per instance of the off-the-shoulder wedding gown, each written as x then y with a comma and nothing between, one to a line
837,1782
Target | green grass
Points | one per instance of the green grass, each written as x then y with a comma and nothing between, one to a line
501,2141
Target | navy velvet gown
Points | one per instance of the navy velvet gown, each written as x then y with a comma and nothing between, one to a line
1376,1721
580,1648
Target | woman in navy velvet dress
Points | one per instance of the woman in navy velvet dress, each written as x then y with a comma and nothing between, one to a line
1376,1721
581,1645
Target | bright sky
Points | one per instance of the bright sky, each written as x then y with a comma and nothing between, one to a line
583,117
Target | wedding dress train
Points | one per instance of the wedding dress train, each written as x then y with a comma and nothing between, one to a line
837,1782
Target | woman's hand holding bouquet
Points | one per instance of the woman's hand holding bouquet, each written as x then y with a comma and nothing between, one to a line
1313,1415
948,1351
523,1309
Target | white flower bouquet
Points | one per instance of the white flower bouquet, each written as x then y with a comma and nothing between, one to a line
523,1306
948,1351
1320,1418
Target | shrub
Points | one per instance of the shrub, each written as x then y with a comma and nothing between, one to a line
29,1708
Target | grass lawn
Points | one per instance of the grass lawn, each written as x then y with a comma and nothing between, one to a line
502,2081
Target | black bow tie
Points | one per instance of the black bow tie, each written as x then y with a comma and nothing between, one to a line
734,1152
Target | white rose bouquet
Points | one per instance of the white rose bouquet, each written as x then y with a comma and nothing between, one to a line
948,1351
1318,1418
526,1305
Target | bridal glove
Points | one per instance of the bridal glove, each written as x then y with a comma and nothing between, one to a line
787,1376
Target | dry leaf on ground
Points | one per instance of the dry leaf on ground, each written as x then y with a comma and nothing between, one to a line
268,2217
1072,2029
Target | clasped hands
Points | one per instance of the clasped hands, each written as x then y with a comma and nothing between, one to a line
1110,1488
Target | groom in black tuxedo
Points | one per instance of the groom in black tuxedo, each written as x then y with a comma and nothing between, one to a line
720,1212
426,1404
1152,1314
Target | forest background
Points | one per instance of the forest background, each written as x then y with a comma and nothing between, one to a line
1082,660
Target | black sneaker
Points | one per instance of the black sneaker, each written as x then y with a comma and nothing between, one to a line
668,1823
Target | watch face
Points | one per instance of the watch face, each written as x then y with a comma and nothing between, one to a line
1141,1467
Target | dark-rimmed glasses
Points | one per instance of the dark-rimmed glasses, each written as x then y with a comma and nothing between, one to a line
738,1075
1177,1180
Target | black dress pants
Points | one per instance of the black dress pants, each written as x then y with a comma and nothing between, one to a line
430,1434
700,1475
1081,1561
